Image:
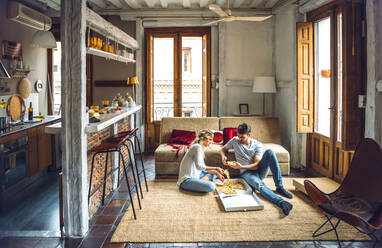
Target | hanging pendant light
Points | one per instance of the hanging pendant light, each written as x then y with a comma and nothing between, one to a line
43,39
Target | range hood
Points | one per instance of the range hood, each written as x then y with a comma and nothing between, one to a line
3,72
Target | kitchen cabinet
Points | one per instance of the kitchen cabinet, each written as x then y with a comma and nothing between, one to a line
39,150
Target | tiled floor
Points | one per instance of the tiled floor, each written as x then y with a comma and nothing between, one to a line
107,218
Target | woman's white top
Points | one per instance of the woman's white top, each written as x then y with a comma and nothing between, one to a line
192,163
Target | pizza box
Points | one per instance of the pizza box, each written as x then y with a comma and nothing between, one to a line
244,200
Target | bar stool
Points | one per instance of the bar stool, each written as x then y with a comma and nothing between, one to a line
129,136
109,147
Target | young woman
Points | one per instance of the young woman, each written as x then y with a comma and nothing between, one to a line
194,175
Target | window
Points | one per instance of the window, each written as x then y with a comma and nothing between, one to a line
56,88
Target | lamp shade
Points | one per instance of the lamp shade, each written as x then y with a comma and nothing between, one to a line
133,80
264,85
43,39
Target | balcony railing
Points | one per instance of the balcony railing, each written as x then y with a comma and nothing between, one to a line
189,109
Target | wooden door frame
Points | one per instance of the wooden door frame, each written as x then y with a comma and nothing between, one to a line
331,140
342,151
178,32
184,31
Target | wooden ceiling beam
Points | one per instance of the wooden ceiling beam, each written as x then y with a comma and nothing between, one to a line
283,3
133,4
311,5
155,14
100,3
115,3
51,4
150,3
164,4
256,3
186,4
270,3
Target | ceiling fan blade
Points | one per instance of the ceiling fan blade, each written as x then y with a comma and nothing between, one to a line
212,22
216,8
252,18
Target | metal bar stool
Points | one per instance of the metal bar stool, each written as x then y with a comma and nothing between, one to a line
129,136
133,134
109,147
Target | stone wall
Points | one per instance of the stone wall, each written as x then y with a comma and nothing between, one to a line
95,139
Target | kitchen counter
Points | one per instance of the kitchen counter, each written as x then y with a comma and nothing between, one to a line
106,121
22,127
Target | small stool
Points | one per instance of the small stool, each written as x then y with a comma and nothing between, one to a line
129,136
109,147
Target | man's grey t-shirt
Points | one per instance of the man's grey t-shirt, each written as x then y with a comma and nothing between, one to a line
245,154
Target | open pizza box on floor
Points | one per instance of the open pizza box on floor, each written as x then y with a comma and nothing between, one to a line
244,200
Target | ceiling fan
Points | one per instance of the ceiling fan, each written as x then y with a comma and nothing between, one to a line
226,15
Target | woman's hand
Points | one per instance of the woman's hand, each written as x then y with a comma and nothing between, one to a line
236,165
220,170
220,176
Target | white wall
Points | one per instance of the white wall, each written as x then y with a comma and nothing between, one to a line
286,97
36,58
248,52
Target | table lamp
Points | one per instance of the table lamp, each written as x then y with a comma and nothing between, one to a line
133,81
264,85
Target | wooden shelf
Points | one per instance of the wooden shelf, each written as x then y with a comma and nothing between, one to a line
107,55
100,25
19,73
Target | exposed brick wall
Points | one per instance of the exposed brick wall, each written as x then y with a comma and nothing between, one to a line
95,139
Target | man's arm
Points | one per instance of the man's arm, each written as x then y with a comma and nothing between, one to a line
223,151
253,166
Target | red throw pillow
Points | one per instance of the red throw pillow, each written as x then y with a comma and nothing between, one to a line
228,133
181,137
218,136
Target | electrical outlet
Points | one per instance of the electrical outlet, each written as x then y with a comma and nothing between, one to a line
361,101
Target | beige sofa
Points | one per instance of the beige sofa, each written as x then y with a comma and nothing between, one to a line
264,129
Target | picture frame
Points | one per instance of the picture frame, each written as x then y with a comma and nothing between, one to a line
243,108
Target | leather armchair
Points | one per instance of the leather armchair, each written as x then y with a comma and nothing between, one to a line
358,200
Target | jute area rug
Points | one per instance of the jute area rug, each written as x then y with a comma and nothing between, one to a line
172,215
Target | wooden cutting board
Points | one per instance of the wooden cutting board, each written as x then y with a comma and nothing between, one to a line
25,88
15,107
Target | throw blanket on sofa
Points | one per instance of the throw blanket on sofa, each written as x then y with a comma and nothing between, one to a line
181,140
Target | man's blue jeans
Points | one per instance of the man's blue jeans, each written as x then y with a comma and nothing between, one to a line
198,185
255,177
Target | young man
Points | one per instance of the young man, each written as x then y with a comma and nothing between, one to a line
254,166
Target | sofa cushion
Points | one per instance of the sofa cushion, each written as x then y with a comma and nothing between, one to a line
281,153
191,124
228,134
165,153
264,129
212,153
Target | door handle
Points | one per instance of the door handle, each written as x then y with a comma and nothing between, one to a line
332,108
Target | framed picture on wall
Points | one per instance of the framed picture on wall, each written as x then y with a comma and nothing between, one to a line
243,108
